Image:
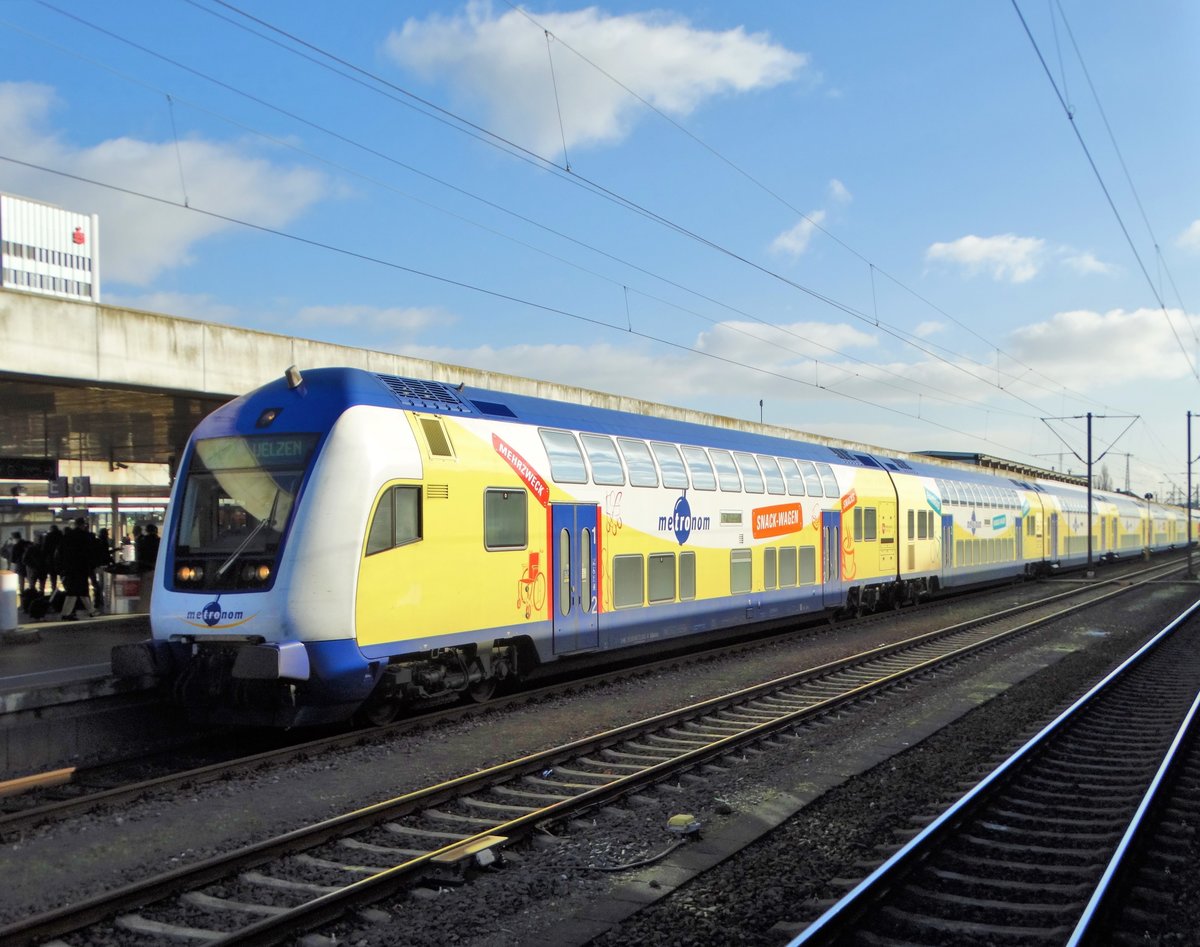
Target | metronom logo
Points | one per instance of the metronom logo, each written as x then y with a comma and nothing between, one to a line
213,614
681,522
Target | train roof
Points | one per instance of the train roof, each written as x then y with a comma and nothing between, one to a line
332,389
329,391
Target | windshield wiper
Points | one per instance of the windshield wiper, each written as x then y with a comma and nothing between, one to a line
262,524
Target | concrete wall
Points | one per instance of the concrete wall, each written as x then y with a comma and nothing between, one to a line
80,341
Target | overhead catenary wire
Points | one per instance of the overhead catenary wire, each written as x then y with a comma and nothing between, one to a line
930,349
495,294
602,191
1121,159
807,218
936,393
968,373
1104,188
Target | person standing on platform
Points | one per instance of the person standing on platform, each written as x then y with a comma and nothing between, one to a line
76,553
17,559
101,560
146,548
34,561
50,554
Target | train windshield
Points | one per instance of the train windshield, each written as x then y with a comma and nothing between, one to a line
234,508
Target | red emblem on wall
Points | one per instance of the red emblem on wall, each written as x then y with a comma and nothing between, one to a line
78,236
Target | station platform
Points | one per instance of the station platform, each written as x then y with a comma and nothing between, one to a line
51,658
59,702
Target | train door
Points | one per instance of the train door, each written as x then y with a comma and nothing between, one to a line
1020,526
831,559
575,583
887,537
1052,536
947,544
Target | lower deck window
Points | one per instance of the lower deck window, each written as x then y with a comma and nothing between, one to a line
505,520
787,567
661,578
808,565
769,573
628,587
687,576
740,572
397,520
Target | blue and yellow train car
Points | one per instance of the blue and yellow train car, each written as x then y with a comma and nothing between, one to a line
345,540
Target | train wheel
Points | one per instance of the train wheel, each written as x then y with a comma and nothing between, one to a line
379,712
482,692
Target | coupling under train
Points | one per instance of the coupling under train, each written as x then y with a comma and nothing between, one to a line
346,541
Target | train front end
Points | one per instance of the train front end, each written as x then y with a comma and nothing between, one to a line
251,615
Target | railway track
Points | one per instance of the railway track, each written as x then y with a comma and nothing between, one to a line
1062,841
29,801
266,892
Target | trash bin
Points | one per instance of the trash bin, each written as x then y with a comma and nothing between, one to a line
126,589
8,600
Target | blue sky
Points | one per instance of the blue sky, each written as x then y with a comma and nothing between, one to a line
874,217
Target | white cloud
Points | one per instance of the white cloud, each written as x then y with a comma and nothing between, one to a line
1088,350
1190,238
926,329
139,239
1007,257
794,242
838,192
773,346
502,60
1087,263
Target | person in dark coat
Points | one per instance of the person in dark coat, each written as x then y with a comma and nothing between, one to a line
101,560
34,561
17,554
146,549
50,554
76,553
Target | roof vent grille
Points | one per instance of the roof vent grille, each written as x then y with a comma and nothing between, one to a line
425,395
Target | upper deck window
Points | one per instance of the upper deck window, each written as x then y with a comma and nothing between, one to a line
566,462
602,455
642,472
751,476
770,469
791,473
671,464
812,480
700,468
828,480
727,474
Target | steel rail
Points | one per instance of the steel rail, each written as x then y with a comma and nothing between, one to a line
96,909
20,820
839,918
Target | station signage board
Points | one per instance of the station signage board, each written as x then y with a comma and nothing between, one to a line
28,468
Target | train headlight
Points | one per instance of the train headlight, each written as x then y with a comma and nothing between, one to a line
188,573
255,572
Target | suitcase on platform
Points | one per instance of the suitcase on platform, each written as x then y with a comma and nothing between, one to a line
36,606
39,607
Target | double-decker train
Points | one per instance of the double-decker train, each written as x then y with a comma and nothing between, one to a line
349,541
